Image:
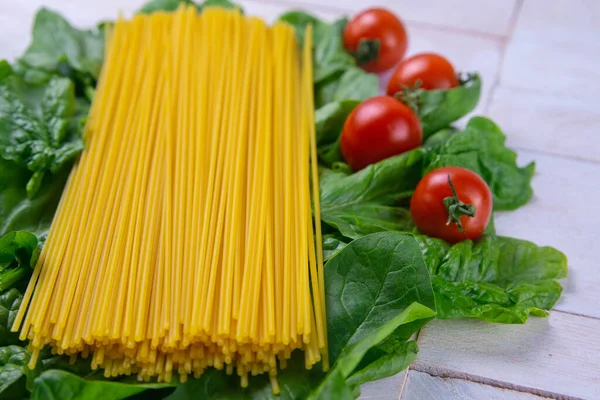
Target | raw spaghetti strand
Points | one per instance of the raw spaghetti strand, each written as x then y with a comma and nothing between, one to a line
184,239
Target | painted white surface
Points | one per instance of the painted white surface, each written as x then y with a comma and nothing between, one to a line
541,79
421,385
555,48
383,389
557,354
553,124
562,214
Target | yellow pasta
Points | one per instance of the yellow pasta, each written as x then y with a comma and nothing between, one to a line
184,238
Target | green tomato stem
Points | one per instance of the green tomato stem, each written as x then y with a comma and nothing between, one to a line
457,208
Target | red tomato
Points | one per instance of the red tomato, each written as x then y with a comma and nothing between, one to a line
376,24
378,128
432,70
434,200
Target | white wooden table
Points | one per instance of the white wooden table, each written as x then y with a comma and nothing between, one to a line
540,62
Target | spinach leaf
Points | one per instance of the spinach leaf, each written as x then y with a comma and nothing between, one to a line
329,122
330,59
16,379
220,3
439,137
161,5
481,148
41,143
59,49
496,279
351,356
372,296
58,384
399,357
17,210
439,108
367,201
295,382
369,281
299,19
332,244
5,70
172,5
353,84
16,253
10,301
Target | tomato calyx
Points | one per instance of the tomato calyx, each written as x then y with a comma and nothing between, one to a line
465,77
411,96
457,208
367,51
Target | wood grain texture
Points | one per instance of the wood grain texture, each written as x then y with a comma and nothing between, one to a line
420,385
555,354
553,124
555,48
562,214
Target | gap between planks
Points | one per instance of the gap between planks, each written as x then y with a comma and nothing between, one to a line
447,373
505,41
452,374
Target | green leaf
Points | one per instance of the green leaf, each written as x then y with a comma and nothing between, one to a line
335,385
332,244
43,143
16,251
10,301
15,377
329,121
330,59
220,3
299,19
5,70
57,384
17,210
439,137
371,298
57,107
360,219
481,148
353,84
295,382
439,108
59,49
397,360
161,5
369,282
367,201
497,279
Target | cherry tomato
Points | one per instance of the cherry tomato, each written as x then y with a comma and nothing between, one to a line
381,25
432,70
452,214
378,128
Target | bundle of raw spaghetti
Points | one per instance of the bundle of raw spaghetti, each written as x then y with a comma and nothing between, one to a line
185,237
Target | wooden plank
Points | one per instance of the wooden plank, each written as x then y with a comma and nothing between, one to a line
558,354
563,215
489,17
553,124
555,48
383,389
420,385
